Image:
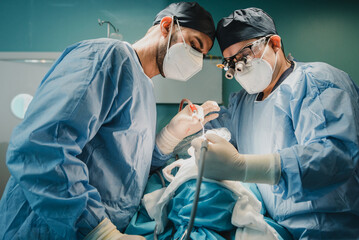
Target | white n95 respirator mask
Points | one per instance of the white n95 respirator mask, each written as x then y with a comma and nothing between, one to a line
257,76
181,61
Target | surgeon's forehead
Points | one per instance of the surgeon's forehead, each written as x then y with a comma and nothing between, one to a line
234,48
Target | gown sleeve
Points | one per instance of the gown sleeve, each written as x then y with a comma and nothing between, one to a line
70,105
159,159
325,116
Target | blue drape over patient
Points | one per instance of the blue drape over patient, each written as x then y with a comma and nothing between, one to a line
214,211
226,210
312,121
84,150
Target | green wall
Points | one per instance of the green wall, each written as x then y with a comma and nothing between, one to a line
311,30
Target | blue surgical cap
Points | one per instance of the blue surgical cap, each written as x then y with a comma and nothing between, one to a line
191,15
244,24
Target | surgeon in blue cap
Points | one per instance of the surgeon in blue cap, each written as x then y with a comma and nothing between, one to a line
295,129
80,160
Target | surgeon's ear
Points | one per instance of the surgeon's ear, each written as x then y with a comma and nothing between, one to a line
165,25
276,44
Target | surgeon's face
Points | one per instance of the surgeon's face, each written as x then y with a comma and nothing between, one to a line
234,49
196,39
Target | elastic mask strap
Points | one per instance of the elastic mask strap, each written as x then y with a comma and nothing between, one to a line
265,49
169,39
275,63
180,31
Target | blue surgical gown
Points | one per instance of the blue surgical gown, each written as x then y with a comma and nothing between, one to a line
312,121
85,147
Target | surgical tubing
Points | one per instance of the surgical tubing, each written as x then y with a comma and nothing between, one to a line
204,149
191,105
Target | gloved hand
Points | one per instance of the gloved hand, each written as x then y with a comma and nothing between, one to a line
107,231
184,124
223,162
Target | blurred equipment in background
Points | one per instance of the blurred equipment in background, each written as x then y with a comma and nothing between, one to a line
116,34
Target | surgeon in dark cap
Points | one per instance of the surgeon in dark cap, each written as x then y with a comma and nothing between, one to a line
295,129
80,159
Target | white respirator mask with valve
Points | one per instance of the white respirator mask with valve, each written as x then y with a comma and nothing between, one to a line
181,61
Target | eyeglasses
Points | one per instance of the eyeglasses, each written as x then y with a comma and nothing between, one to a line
245,54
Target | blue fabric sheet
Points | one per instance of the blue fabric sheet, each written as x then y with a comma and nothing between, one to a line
213,218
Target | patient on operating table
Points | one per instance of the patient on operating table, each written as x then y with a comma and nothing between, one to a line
226,209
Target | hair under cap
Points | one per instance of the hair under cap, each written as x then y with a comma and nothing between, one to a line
244,24
191,15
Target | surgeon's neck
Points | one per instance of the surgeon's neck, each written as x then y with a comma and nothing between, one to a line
282,65
146,49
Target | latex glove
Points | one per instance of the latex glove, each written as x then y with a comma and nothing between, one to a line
185,124
107,231
223,162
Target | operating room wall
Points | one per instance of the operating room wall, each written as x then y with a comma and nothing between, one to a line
311,30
